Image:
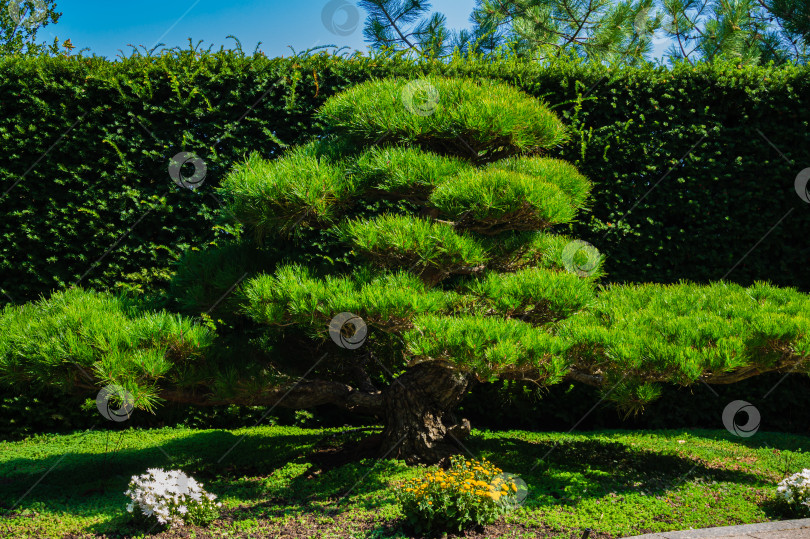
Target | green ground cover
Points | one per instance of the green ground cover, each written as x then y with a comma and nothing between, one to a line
289,482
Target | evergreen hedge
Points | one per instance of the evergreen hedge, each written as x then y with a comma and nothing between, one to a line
691,166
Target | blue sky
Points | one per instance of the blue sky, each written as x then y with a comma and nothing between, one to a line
106,26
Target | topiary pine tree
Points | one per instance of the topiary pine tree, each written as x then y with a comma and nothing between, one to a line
440,197
409,252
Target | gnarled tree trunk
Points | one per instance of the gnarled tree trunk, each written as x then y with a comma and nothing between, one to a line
416,408
419,424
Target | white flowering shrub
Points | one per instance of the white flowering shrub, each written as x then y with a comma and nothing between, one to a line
795,490
172,498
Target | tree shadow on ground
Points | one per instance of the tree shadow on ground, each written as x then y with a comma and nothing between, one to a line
776,440
569,471
278,469
96,482
559,473
206,455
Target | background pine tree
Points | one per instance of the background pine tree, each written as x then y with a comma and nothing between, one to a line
748,31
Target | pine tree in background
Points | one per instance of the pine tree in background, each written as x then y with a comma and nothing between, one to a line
596,30
20,20
600,30
748,31
405,25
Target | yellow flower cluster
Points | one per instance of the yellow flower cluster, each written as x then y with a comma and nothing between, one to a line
469,492
479,479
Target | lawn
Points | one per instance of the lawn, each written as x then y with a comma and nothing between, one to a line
287,482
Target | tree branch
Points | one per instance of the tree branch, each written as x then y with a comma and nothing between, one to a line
393,24
305,394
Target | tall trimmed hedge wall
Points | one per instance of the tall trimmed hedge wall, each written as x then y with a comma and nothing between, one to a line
693,167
